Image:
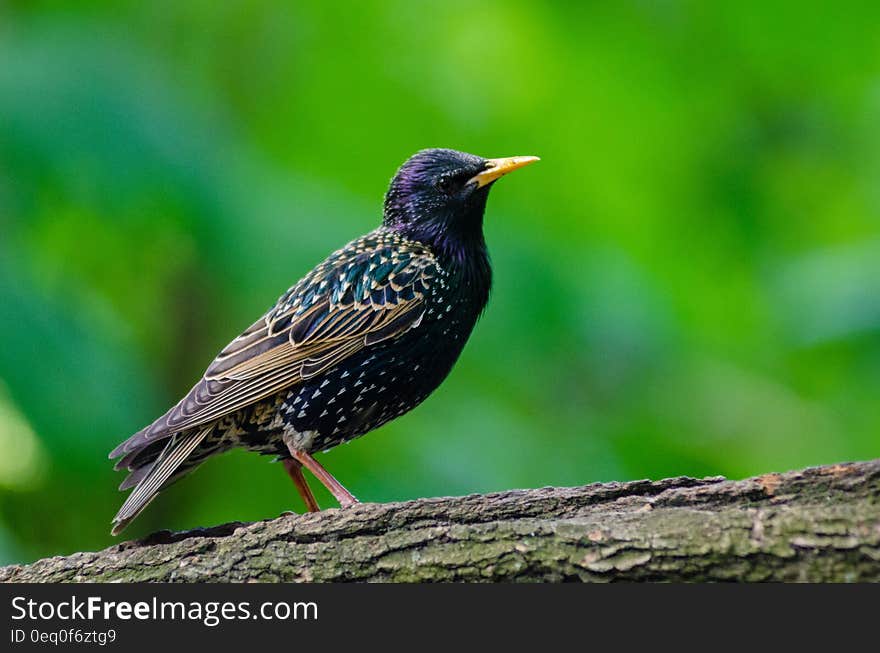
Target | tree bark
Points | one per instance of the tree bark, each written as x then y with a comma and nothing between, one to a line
818,524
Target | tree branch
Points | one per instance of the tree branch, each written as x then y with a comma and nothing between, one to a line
819,524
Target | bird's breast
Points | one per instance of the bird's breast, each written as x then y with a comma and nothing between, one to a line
381,382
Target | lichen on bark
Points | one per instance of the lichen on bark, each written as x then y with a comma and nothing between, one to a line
818,524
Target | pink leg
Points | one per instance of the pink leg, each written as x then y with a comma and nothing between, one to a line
294,469
343,496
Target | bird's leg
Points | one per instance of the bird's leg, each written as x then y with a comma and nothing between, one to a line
294,469
343,496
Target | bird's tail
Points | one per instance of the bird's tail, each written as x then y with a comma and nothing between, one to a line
155,476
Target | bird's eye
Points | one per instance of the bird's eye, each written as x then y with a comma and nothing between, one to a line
445,184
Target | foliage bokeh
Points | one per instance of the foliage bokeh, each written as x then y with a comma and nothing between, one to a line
688,283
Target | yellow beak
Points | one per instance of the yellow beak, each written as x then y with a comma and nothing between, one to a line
496,168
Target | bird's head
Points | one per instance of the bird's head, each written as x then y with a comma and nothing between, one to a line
438,196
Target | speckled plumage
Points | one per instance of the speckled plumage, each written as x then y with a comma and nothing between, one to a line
366,336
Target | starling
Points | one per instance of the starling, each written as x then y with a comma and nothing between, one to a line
363,338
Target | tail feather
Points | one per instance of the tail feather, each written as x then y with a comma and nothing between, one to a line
159,474
142,456
136,476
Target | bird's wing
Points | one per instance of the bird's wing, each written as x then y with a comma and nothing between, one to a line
358,297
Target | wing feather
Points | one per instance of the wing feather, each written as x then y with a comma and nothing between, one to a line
357,298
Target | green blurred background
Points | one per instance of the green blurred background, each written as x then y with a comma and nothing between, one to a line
688,283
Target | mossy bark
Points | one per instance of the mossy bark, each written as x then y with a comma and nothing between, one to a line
818,524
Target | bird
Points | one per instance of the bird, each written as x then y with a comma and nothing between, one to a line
363,338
